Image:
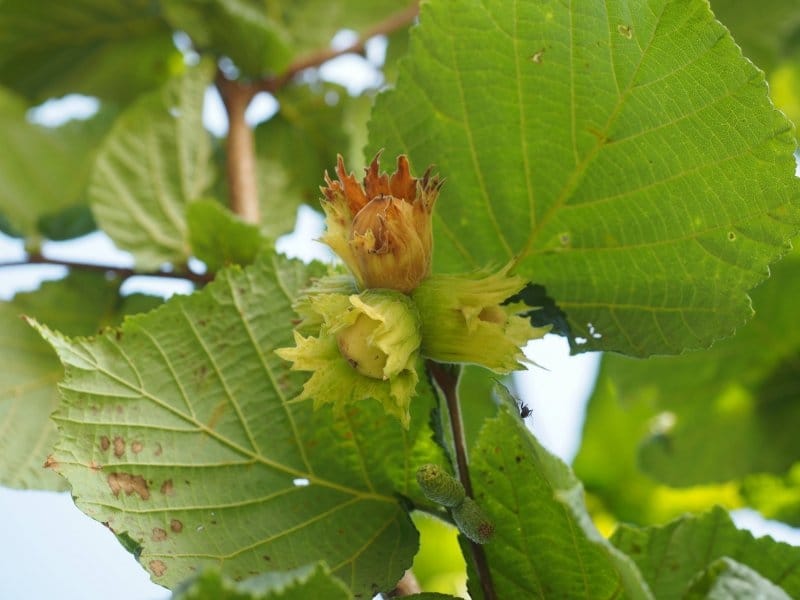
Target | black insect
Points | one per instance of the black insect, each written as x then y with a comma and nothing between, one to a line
524,410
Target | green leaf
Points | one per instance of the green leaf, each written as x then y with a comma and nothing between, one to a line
775,497
544,545
263,38
439,564
179,429
45,171
72,222
765,30
726,579
81,303
769,34
154,162
294,149
608,464
219,238
111,50
242,30
723,413
622,154
303,582
669,557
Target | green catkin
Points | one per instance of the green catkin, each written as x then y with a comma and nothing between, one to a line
439,486
442,488
472,521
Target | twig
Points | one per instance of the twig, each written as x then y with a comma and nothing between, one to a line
236,95
241,149
122,272
387,26
447,381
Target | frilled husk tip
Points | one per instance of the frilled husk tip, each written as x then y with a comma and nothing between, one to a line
464,320
382,227
367,346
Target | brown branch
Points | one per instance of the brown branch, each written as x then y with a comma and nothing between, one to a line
122,272
446,380
241,149
389,25
237,95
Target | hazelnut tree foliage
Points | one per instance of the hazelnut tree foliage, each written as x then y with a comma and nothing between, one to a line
614,172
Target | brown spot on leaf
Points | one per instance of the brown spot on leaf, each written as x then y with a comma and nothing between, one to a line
176,526
159,535
95,466
537,57
137,447
158,450
130,484
267,558
105,443
217,413
119,409
167,488
119,446
157,567
50,462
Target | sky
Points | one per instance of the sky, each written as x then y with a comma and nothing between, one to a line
52,550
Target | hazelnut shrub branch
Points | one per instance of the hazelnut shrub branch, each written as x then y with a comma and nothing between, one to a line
241,153
446,379
295,417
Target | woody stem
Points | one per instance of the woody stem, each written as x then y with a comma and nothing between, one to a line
446,379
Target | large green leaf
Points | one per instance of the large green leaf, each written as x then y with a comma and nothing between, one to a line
669,557
114,50
769,34
726,579
219,237
302,583
263,37
155,160
80,304
716,415
44,171
178,430
775,497
608,463
295,147
242,30
544,545
622,153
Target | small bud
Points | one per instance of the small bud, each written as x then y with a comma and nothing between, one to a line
465,320
367,347
382,228
439,486
472,521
